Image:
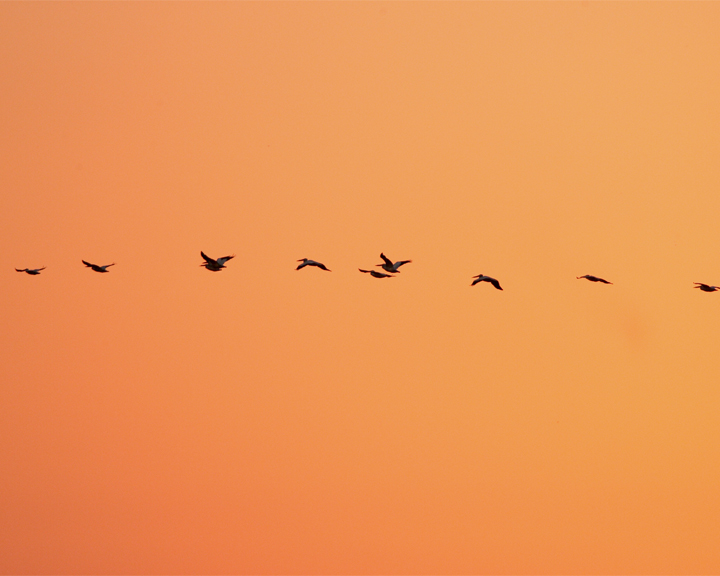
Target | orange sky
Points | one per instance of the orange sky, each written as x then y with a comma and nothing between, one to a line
164,419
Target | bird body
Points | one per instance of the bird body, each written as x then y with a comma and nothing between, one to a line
98,268
388,265
308,262
31,271
483,278
376,274
594,279
215,265
706,287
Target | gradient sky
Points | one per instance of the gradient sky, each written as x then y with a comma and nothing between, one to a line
164,419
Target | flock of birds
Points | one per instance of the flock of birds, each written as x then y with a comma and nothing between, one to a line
390,269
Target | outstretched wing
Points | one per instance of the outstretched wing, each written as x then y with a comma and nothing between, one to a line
385,259
25,270
87,264
398,264
322,266
207,258
366,271
224,259
494,283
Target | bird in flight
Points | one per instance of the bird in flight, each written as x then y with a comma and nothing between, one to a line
594,279
376,274
214,265
482,278
98,268
31,271
388,266
706,287
307,262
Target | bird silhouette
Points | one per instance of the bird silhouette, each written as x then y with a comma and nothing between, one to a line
214,265
594,279
31,271
388,266
483,278
98,268
376,274
308,262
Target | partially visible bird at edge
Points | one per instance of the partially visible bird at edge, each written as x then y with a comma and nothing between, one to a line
706,287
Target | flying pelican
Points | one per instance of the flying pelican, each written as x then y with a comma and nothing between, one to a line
594,279
388,266
31,271
481,278
98,268
307,262
706,287
376,274
214,265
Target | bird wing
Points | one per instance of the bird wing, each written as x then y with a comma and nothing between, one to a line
207,258
401,262
87,264
385,259
366,271
301,266
322,266
225,259
494,283
23,270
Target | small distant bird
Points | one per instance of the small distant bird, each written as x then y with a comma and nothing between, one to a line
388,266
706,287
376,274
482,278
31,271
215,265
307,262
98,268
594,279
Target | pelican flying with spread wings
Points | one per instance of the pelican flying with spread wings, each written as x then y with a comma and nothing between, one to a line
376,274
214,265
388,266
483,278
308,262
706,287
594,279
98,268
31,271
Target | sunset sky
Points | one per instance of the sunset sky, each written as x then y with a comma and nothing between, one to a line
165,419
